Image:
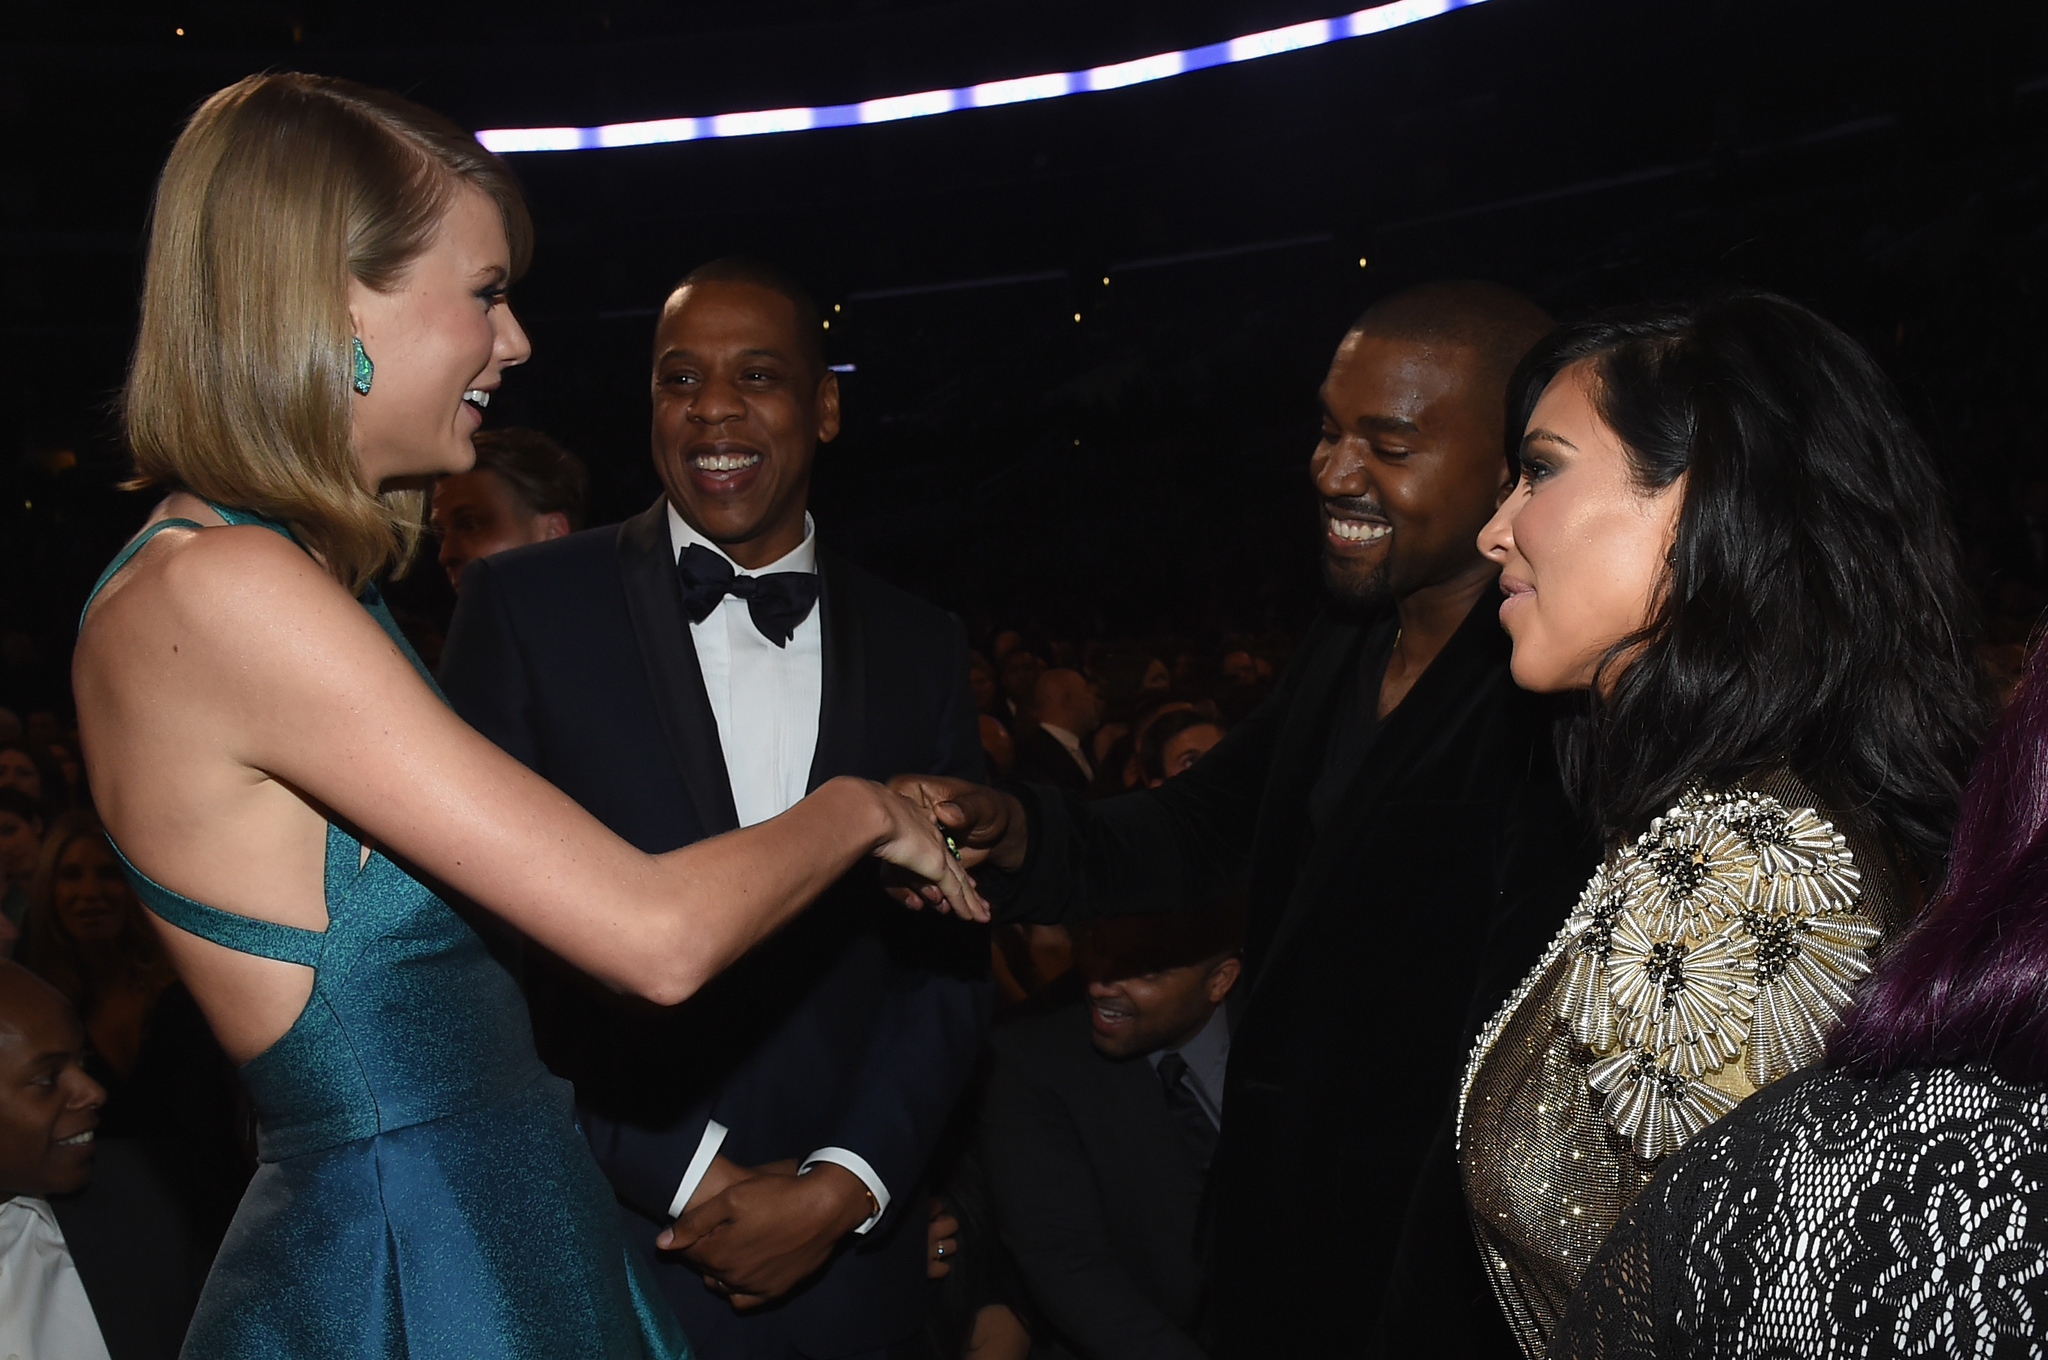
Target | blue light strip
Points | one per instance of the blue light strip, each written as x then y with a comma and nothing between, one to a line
1250,47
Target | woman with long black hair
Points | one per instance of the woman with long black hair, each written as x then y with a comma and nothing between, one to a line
1726,534
1895,1200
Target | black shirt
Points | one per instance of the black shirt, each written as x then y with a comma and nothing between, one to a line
1354,723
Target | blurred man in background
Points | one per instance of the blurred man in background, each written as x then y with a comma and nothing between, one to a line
1100,1124
525,488
1053,749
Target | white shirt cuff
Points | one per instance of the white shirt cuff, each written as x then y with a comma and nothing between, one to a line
707,1149
858,1165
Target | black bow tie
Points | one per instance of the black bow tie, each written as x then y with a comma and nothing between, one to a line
778,601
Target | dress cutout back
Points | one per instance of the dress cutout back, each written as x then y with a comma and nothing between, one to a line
423,1188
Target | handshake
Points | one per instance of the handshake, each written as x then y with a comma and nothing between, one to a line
979,825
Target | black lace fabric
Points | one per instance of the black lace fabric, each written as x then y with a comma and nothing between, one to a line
1835,1217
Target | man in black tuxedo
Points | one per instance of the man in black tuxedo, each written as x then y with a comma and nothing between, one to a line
1395,814
96,1256
1100,1122
699,668
1053,747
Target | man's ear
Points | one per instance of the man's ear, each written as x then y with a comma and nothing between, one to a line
1223,977
828,408
554,524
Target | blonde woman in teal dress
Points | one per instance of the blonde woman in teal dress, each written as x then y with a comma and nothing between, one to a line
323,318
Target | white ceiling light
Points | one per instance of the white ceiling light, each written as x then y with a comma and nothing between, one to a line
927,103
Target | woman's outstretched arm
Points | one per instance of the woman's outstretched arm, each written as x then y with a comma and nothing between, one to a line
235,645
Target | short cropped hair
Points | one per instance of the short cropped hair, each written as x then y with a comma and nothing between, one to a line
547,478
1496,322
280,189
777,280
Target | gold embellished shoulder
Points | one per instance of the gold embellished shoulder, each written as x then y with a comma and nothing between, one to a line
1709,958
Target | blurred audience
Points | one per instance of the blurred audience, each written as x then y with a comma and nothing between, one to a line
981,683
1017,668
97,1259
1130,678
997,744
26,766
525,488
21,843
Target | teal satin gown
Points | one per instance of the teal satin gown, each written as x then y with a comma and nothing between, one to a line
423,1190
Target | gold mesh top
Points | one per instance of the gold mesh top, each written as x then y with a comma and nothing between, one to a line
1707,958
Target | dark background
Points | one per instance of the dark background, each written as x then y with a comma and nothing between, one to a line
1143,470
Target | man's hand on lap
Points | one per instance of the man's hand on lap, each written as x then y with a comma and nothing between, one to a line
768,1230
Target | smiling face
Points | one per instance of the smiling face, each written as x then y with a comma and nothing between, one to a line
1581,545
740,407
439,342
92,896
49,1107
1408,467
1132,1016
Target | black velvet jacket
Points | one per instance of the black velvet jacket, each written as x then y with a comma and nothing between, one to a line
1373,951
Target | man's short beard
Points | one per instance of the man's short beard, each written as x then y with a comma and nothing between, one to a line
1358,596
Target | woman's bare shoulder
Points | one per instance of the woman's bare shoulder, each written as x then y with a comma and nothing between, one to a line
217,586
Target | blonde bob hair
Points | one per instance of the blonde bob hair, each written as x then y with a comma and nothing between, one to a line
280,189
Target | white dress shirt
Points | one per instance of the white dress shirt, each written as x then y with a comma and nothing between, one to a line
44,1314
766,700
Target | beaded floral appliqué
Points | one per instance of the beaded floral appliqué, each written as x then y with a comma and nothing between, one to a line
1727,932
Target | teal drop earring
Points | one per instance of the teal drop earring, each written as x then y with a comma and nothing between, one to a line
365,370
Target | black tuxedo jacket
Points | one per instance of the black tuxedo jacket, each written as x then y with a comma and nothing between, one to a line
1447,864
140,1254
1042,760
858,1024
1095,1189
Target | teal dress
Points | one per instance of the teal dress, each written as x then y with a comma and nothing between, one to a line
423,1190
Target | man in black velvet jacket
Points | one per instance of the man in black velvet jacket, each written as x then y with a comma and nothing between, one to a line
699,668
1395,816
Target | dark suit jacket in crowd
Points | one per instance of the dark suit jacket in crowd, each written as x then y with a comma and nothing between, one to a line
1445,866
1096,1191
856,1026
1042,760
140,1255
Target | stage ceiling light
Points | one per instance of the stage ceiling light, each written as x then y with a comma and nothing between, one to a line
1250,47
